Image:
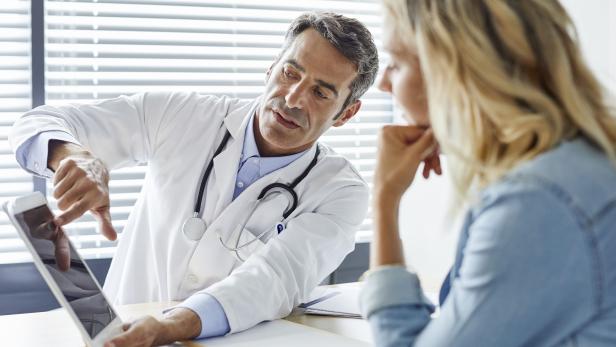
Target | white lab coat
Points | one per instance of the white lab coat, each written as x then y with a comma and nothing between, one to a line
176,134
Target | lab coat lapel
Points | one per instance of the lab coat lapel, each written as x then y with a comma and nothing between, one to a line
220,185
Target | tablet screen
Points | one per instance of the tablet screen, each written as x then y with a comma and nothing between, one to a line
67,269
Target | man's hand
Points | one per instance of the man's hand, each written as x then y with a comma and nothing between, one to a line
179,324
81,183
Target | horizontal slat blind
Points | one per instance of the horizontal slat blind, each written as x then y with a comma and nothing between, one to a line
14,100
102,49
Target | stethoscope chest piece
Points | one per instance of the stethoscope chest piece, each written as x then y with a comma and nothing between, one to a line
194,228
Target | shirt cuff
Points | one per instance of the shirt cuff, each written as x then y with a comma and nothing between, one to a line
391,286
32,154
213,318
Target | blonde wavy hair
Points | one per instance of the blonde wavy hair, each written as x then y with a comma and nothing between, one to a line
505,81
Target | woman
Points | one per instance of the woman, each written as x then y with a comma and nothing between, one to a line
502,88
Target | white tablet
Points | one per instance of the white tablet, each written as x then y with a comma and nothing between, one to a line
65,272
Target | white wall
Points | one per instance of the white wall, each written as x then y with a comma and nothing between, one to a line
428,232
596,24
429,236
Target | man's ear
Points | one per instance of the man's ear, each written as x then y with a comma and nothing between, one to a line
348,113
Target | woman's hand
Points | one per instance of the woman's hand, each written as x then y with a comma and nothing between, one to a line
401,149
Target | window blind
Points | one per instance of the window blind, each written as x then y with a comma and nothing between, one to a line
14,99
103,49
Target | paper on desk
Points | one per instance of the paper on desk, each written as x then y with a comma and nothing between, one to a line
333,301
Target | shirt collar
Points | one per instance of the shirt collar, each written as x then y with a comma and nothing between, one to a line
250,148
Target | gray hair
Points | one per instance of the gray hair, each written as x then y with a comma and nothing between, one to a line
350,37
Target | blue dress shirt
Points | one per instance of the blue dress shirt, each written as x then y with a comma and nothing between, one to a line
32,155
253,166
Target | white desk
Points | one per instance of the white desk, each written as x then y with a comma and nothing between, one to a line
55,328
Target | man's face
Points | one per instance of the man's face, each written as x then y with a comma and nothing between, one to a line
304,92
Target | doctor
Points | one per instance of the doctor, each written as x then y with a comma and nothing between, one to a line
198,231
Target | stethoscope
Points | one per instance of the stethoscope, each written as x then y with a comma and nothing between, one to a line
194,227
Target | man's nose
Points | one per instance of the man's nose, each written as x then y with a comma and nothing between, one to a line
296,95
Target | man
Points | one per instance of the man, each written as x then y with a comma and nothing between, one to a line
197,231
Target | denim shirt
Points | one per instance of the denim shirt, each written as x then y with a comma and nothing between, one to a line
535,264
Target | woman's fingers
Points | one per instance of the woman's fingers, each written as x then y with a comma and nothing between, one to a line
432,163
399,134
436,164
425,145
401,151
426,170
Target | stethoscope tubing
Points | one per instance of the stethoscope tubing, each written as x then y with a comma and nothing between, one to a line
290,189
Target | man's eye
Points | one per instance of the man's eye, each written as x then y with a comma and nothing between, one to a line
319,94
288,74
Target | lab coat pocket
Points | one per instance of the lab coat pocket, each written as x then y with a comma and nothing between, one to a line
249,243
261,227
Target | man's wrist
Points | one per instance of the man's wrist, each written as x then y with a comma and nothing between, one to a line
58,150
180,324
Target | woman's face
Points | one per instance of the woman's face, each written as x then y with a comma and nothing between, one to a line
403,79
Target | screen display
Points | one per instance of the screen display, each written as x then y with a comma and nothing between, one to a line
67,269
